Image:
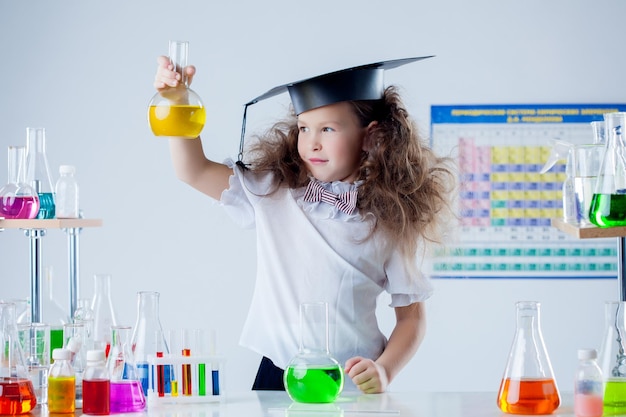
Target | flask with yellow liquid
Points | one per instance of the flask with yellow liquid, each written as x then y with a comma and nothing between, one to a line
177,112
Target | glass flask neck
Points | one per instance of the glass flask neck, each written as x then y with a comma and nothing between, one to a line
148,305
103,285
12,362
17,164
528,315
178,54
314,328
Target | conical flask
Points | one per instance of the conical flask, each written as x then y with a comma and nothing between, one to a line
125,391
17,394
612,358
103,313
528,385
37,171
18,200
177,112
313,375
608,205
148,337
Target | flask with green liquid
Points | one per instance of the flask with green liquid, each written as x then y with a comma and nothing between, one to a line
612,358
177,112
313,375
608,205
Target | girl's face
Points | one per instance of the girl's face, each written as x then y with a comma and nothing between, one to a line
331,141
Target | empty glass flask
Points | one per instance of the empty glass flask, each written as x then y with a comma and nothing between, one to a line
528,385
18,200
177,112
313,375
103,313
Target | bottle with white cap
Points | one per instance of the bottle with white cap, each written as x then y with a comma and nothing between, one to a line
61,383
96,384
66,191
588,385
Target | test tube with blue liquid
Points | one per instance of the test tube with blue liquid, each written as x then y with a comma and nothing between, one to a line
215,370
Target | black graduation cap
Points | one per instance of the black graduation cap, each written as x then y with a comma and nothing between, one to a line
364,82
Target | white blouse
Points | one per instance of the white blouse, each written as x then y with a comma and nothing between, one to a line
308,252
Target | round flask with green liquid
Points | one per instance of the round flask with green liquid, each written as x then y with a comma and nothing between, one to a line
313,375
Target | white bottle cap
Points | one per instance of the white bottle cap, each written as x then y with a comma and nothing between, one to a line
96,355
61,354
586,354
67,169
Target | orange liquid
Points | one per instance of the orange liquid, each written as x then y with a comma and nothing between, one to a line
17,396
528,396
177,120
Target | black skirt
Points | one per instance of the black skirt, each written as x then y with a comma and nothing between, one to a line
269,377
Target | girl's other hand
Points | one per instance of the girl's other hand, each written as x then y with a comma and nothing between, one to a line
367,375
166,77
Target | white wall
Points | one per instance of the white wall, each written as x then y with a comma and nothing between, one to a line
84,71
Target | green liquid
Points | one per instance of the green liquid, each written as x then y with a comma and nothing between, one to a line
615,397
608,210
56,339
314,385
201,379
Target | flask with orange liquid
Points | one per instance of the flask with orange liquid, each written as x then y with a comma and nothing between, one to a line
528,385
177,112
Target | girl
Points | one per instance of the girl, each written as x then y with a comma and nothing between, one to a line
346,198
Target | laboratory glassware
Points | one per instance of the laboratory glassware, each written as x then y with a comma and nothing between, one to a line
53,313
61,383
599,132
103,313
528,385
96,384
179,111
37,171
35,342
18,200
76,341
17,394
612,358
148,335
126,392
313,375
588,385
66,193
608,206
586,160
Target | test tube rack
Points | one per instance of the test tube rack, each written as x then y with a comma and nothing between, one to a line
200,390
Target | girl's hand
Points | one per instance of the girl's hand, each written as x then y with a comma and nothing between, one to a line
367,375
166,78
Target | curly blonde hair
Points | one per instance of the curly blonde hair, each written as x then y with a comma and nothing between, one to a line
406,186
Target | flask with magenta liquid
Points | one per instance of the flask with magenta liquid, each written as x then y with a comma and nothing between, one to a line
528,385
313,375
17,394
177,112
37,171
126,392
18,200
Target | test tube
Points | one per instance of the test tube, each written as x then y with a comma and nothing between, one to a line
200,349
173,345
215,373
186,367
160,371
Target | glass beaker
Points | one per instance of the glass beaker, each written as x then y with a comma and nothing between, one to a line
586,160
528,385
126,392
612,358
313,375
103,313
35,342
17,394
608,206
177,112
148,338
37,171
18,200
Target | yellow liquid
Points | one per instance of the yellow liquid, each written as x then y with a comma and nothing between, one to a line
61,394
181,120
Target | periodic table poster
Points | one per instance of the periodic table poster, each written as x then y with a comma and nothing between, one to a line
505,204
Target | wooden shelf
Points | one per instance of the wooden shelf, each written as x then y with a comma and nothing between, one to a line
48,223
586,232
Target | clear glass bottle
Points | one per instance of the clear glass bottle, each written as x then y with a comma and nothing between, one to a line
126,392
61,383
96,384
177,112
66,193
103,312
147,335
588,385
37,171
608,206
313,375
612,358
17,394
18,200
528,385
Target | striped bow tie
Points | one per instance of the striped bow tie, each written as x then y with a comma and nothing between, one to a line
345,202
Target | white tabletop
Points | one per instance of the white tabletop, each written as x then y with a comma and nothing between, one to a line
278,404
